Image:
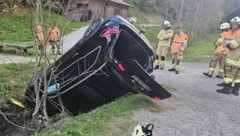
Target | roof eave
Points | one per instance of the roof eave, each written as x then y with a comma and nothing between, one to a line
123,3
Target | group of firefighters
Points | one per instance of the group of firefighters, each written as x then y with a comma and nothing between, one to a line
179,43
226,55
53,38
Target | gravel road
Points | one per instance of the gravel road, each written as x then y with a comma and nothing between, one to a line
195,108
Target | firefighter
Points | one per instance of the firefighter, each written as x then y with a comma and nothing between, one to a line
220,52
179,44
232,77
54,38
164,37
40,39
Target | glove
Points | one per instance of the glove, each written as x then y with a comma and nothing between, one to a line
180,53
215,42
229,47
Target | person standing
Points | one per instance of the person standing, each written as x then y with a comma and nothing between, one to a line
232,77
40,39
179,44
54,38
220,52
164,36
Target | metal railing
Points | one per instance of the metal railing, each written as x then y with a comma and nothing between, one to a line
83,73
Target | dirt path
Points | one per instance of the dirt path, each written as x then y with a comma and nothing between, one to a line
195,108
68,41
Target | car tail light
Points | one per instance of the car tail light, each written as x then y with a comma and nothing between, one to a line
121,67
156,98
109,31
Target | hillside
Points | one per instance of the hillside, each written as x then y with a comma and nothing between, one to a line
145,18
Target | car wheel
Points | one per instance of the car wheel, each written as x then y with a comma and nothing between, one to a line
93,28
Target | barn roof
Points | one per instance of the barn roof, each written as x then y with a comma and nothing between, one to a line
234,13
122,3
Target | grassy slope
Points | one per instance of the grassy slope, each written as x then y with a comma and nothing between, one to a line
201,51
144,18
111,119
16,27
14,79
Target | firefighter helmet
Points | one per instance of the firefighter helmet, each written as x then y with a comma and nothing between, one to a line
236,20
166,24
224,26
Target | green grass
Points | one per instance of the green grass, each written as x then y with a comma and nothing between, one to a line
16,27
111,119
151,34
201,51
14,79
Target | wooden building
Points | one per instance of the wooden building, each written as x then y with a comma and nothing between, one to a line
80,10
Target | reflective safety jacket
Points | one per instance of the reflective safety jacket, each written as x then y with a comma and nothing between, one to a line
233,58
165,37
225,38
54,34
40,35
179,43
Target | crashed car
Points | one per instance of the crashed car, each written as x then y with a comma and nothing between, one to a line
112,59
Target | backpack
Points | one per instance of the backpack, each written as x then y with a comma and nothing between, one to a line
143,131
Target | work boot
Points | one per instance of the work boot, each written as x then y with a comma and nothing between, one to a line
156,67
226,89
235,90
217,76
207,74
172,69
223,84
177,72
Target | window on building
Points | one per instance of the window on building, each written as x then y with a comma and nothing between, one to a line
117,11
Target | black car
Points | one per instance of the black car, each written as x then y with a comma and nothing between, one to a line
112,59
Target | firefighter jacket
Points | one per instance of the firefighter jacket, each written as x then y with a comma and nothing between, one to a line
233,58
165,37
225,38
179,43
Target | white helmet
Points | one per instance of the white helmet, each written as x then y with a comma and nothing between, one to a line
224,26
166,24
236,20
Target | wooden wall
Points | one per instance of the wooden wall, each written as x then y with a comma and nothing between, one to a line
97,6
123,10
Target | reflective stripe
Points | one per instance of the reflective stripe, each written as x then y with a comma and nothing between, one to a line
157,62
211,69
220,70
178,42
231,80
228,80
234,43
237,81
228,39
232,62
